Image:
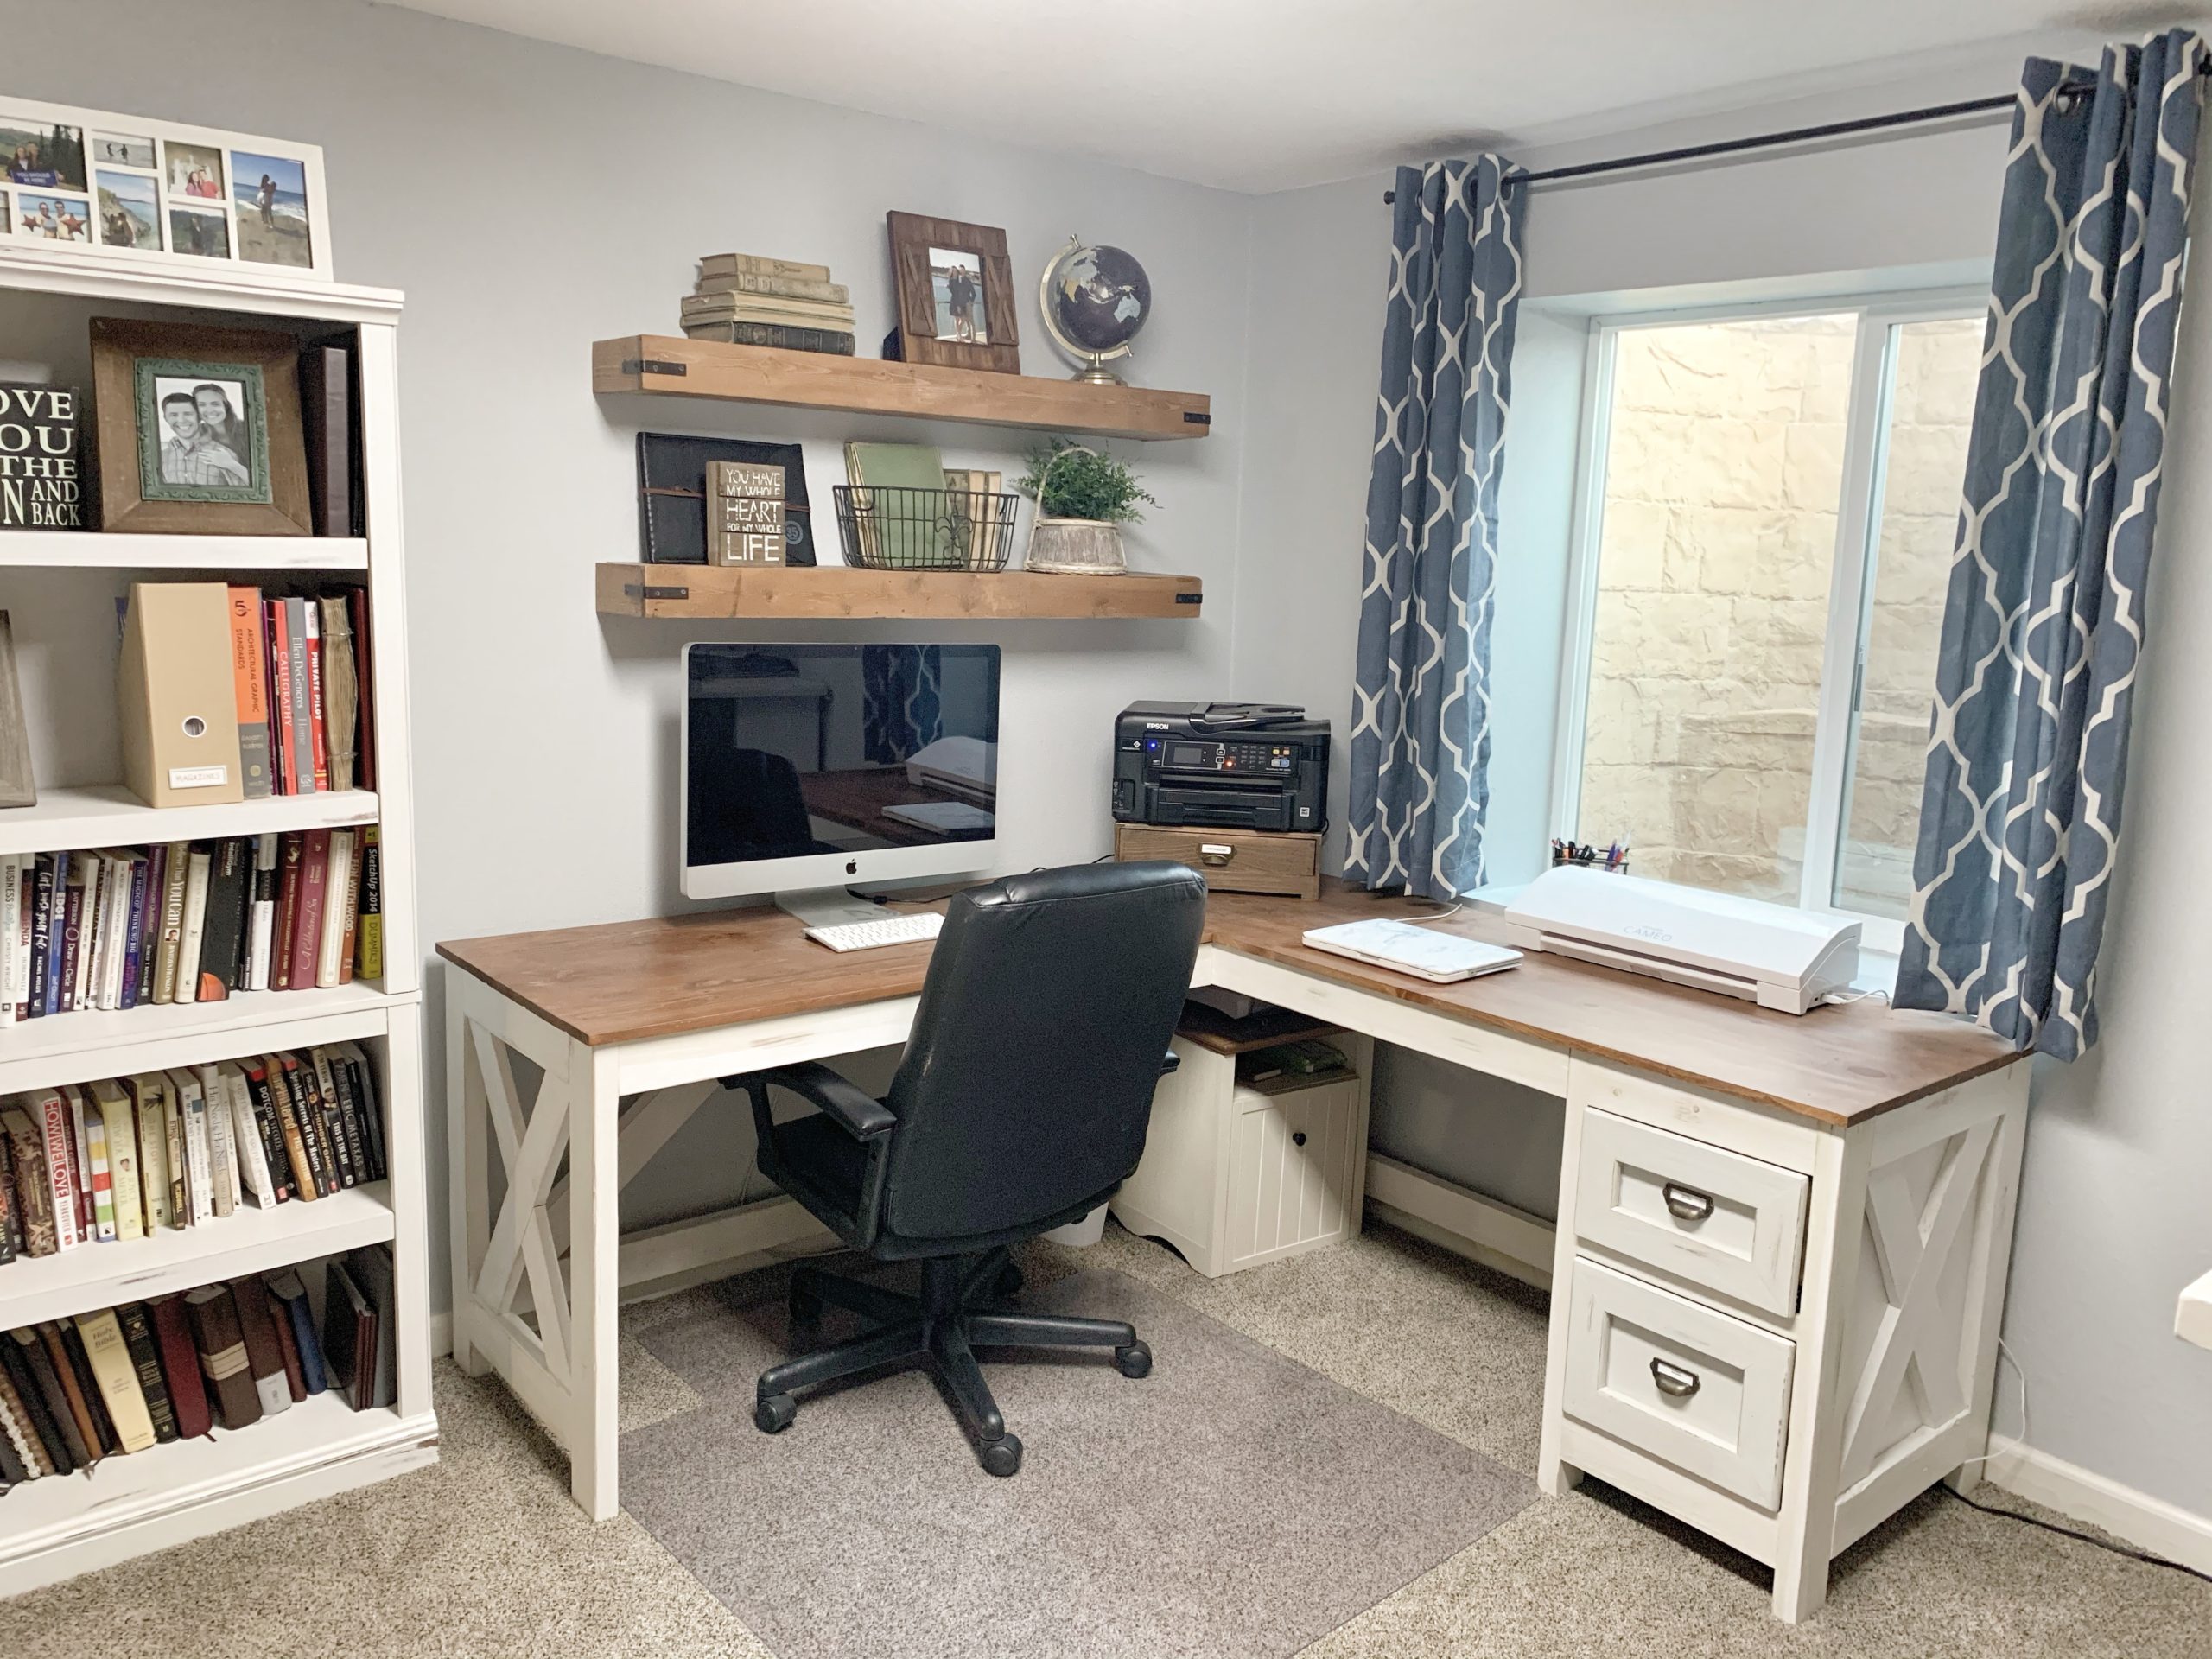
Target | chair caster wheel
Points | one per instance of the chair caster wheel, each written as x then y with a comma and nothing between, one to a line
1001,1457
1135,1360
772,1413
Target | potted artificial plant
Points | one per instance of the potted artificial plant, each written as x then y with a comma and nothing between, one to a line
1083,498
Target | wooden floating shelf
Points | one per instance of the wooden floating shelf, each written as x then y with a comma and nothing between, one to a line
667,365
797,593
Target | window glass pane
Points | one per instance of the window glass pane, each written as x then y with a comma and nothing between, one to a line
1723,469
1931,407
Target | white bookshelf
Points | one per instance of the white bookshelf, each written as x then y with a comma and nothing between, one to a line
108,815
61,549
57,1528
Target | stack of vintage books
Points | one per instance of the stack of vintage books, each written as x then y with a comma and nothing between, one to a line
752,300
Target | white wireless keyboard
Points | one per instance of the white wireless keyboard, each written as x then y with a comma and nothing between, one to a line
916,928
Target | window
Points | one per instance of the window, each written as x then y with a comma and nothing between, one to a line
1768,509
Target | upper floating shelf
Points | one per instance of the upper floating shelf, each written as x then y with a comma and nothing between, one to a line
714,592
668,366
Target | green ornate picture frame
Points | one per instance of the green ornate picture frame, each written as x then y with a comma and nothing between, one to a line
155,379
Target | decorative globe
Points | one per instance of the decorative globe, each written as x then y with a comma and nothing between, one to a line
1094,300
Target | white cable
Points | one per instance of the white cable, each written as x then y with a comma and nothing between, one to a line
1837,999
2021,1438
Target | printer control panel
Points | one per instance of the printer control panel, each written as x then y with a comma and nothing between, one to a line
1256,758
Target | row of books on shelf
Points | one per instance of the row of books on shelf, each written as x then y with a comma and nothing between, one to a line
119,927
233,693
133,1157
125,1379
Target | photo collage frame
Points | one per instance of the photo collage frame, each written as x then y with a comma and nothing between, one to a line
86,181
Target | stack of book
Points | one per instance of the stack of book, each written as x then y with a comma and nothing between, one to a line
118,927
128,1158
751,300
301,667
125,1379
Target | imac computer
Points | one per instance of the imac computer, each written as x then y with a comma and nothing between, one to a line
809,768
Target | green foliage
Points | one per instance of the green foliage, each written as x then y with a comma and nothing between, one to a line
1083,484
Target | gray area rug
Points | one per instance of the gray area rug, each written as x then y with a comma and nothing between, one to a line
1233,1504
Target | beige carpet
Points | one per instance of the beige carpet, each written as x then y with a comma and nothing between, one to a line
484,1554
1234,1501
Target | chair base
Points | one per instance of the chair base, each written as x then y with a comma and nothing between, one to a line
939,1330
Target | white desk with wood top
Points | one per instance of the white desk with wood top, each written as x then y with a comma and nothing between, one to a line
1778,1268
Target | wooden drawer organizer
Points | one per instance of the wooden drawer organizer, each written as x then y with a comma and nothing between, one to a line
1286,861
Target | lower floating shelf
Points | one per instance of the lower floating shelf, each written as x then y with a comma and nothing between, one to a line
802,593
65,1524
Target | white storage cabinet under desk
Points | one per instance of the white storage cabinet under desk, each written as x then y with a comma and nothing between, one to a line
1233,1176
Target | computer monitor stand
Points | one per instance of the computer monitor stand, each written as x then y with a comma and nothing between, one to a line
828,906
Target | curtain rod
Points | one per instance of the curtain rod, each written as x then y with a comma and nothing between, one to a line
1795,136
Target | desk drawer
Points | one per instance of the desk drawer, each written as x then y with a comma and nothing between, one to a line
1694,1387
1710,1218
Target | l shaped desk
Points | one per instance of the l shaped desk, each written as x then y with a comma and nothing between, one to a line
1776,1272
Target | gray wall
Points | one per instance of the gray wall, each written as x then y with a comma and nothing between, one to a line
2112,1218
529,199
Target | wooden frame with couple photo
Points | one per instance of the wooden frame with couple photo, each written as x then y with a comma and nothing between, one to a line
955,294
199,429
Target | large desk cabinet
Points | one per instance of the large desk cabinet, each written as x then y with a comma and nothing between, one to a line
1776,1273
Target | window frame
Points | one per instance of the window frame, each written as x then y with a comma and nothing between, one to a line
1851,569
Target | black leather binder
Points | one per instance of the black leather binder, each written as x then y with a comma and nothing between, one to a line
672,495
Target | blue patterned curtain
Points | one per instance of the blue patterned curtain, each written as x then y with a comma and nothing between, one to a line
903,692
2045,616
1420,719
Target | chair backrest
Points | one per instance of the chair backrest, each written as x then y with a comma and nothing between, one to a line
1026,1086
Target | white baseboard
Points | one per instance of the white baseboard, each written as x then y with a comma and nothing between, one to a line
2149,1523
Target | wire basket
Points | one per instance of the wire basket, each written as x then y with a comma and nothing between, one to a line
896,527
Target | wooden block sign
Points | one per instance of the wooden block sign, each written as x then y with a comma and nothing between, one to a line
744,511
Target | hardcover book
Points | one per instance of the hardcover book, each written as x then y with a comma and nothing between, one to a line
180,1366
264,1357
223,1359
118,1379
145,1359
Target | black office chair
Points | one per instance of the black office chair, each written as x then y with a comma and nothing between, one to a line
1021,1104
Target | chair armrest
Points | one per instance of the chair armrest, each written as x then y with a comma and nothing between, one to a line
852,1109
1174,1062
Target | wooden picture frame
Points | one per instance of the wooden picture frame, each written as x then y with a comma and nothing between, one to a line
81,187
137,367
974,325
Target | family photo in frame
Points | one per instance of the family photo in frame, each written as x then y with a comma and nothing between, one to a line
955,285
142,190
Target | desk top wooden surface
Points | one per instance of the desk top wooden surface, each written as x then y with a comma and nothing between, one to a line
625,981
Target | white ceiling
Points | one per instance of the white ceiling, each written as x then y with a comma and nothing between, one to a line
1268,94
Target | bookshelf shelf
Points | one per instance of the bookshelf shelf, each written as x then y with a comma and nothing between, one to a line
662,365
789,593
249,1241
108,815
187,1489
64,550
79,1047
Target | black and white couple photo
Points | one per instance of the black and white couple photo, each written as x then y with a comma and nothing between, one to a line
205,439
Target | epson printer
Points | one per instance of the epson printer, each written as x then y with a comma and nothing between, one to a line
1226,766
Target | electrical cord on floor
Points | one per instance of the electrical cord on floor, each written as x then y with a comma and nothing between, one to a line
2131,1554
